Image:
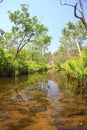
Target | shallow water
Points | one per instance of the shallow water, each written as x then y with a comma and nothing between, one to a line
40,102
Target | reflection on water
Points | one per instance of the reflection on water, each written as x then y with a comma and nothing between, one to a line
53,91
40,102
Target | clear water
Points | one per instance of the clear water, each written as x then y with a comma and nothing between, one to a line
40,102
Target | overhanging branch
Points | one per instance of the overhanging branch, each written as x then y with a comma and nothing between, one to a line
1,1
75,14
70,5
81,17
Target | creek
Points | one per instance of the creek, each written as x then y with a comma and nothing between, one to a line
41,102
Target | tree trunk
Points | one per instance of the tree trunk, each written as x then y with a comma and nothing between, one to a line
79,49
76,9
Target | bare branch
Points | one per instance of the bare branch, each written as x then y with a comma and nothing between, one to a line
70,5
75,14
1,1
81,11
81,18
81,6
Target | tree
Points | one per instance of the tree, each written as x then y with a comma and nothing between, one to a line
38,49
26,29
78,11
72,38
6,40
43,40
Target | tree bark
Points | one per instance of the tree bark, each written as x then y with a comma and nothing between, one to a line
79,49
1,1
81,11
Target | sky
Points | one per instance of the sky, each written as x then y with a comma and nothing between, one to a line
49,12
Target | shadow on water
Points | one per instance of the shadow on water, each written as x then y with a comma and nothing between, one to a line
41,102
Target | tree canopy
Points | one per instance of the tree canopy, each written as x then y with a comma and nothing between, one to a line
73,36
26,29
25,48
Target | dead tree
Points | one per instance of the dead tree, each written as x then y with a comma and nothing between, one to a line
77,11
1,1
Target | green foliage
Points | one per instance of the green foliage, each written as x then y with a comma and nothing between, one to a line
74,65
25,48
32,66
76,68
44,66
72,39
27,29
6,64
37,67
84,56
11,67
